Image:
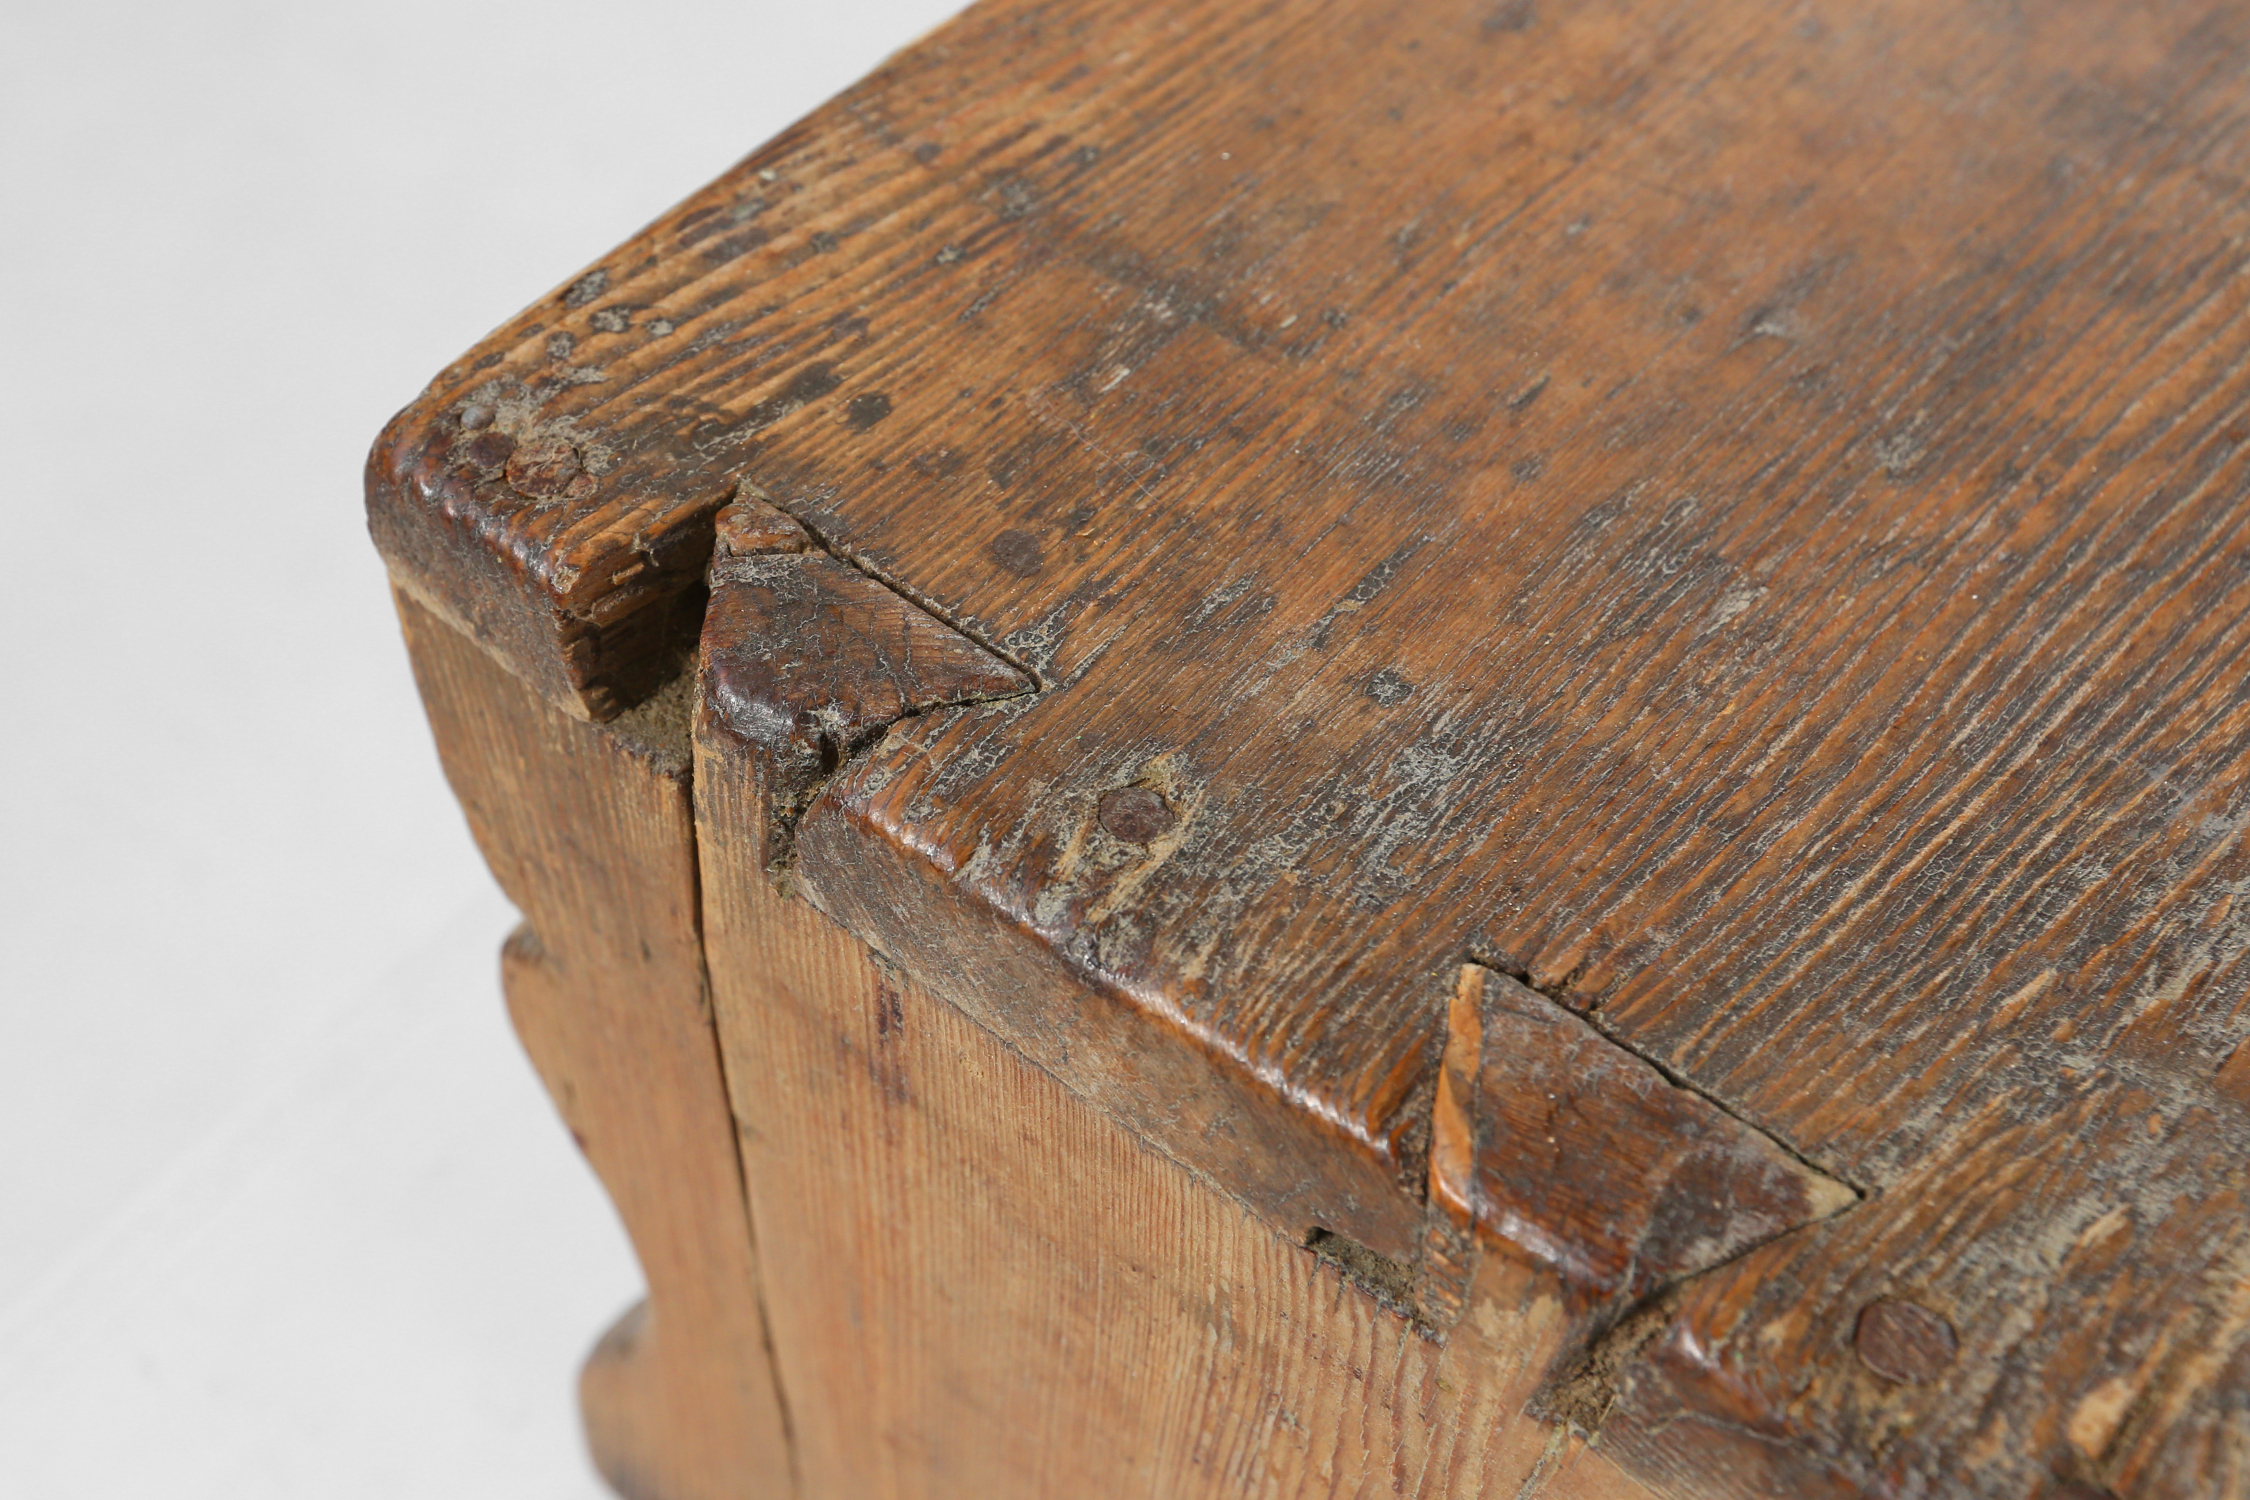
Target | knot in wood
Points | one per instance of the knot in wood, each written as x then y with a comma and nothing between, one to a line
1905,1342
1136,814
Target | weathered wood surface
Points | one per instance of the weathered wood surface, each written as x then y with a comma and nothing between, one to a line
590,833
1734,514
984,1288
809,659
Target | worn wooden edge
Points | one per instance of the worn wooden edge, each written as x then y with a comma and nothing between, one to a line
1407,1226
534,533
806,664
1630,1377
901,1075
1409,1229
1142,1068
1546,1141
435,510
571,544
1674,1188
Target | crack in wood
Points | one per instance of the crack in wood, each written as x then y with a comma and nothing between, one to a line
1557,1143
810,659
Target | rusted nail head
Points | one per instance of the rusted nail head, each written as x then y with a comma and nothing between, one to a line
1136,814
1905,1342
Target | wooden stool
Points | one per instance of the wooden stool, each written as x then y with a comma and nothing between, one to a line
1458,748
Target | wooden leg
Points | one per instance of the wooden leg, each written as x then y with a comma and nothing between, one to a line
993,1291
588,828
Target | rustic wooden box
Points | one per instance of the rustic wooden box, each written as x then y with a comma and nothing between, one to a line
1395,748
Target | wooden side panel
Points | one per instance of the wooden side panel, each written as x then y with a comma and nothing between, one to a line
994,1291
589,832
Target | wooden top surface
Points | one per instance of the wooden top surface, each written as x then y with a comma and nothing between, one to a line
1732,514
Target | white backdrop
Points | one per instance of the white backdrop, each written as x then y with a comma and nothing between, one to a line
282,1210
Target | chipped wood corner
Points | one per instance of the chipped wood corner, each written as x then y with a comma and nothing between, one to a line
467,492
806,660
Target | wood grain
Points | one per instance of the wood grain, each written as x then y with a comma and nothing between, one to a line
988,1288
589,832
808,659
1588,1160
1732,513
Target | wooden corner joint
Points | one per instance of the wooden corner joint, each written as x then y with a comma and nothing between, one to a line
498,516
1554,1139
1554,1143
805,659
